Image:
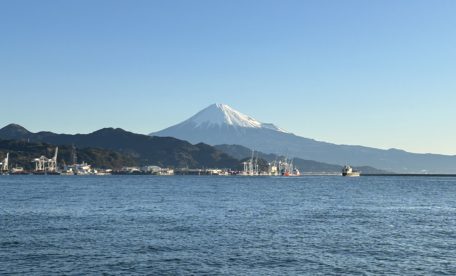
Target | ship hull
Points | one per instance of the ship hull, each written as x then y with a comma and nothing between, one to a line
353,174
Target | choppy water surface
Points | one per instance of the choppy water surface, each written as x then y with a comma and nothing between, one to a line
227,225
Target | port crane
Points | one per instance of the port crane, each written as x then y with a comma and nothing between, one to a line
4,164
251,166
44,164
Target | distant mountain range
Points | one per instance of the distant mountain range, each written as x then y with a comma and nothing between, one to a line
138,148
114,148
221,124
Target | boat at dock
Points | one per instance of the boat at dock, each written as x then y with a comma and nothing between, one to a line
286,168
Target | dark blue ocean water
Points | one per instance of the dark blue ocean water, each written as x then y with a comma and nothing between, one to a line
227,225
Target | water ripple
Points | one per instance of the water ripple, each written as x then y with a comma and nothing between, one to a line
227,226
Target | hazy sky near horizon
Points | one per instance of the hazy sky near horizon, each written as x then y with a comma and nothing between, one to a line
373,73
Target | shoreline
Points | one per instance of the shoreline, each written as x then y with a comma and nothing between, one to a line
242,176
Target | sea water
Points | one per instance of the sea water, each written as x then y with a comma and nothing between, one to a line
56,225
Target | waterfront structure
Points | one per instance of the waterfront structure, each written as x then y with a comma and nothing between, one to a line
4,166
273,169
217,172
18,170
156,170
251,166
131,170
46,165
286,168
78,169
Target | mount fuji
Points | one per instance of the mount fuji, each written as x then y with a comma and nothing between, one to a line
221,124
223,116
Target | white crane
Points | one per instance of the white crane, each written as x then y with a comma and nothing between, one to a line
52,163
4,164
40,163
43,164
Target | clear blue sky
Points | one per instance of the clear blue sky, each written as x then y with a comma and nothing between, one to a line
378,73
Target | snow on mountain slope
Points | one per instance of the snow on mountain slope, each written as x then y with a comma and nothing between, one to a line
224,115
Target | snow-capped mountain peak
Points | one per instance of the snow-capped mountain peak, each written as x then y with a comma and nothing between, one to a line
224,115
